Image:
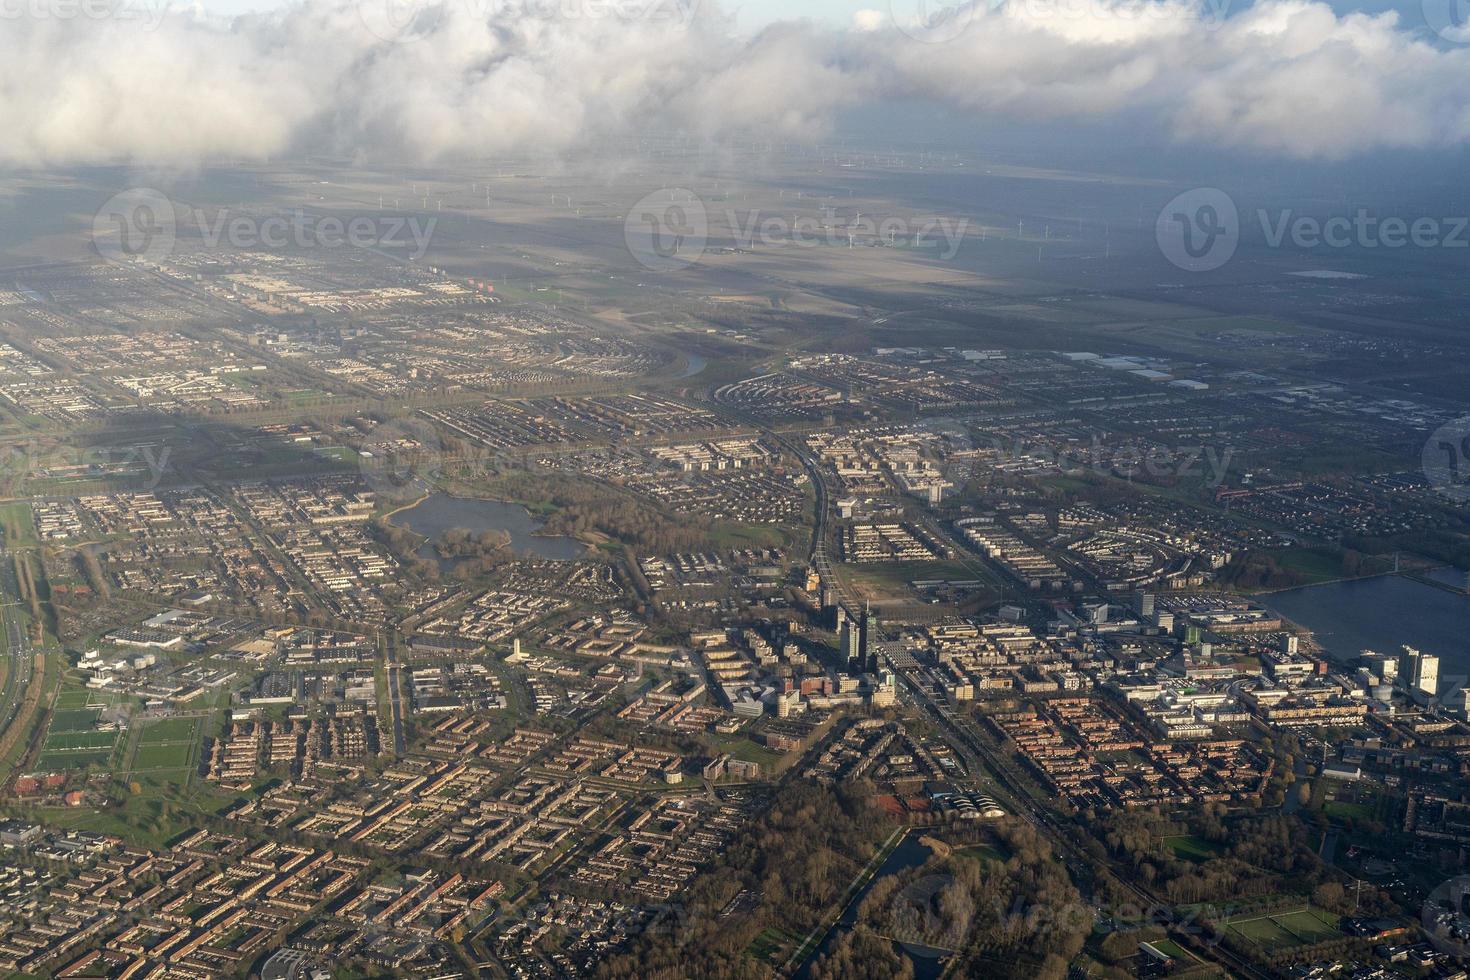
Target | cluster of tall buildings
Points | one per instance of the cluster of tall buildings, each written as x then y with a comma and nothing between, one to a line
1419,672
1412,671
858,646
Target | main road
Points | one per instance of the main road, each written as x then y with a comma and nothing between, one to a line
395,691
819,558
17,647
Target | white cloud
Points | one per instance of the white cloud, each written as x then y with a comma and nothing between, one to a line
477,77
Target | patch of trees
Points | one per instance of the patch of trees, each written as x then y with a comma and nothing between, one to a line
799,856
1255,570
1017,918
403,544
399,540
581,508
1257,855
461,542
1341,948
861,954
1446,540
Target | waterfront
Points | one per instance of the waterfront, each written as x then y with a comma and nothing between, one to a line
1381,614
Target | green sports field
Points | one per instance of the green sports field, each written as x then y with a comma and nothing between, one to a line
1284,930
173,756
88,741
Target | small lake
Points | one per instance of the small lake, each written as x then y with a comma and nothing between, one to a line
693,364
1383,614
439,513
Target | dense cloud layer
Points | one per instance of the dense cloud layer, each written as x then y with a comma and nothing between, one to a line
390,80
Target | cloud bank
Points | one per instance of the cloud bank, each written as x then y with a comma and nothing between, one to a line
437,80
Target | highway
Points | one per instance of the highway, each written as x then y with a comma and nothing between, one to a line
17,645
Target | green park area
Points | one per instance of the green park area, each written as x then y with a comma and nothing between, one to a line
1194,849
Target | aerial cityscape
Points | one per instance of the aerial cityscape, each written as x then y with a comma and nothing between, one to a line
562,490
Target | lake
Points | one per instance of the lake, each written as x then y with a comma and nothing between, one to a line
693,364
1382,614
442,512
